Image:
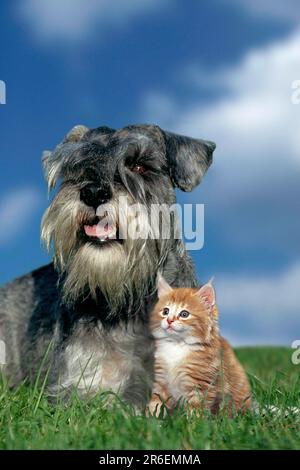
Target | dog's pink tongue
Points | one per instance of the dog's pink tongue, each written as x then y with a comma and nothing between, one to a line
99,231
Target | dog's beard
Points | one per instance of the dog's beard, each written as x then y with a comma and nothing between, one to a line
120,277
121,271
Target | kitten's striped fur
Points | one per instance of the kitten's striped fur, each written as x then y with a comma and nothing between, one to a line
194,365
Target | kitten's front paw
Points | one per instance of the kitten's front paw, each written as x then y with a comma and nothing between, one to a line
156,408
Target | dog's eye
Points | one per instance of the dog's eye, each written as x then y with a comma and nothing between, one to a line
140,169
165,312
184,314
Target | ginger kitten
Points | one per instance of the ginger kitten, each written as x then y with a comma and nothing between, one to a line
194,365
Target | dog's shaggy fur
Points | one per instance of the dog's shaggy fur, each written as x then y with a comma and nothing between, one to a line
84,318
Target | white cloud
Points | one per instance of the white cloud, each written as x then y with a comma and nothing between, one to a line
16,211
287,10
260,309
78,20
256,128
253,195
255,115
264,296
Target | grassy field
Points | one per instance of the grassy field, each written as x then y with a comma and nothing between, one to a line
27,421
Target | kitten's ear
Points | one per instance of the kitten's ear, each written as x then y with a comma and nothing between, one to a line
207,294
163,288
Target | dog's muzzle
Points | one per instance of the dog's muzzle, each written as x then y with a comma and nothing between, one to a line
94,196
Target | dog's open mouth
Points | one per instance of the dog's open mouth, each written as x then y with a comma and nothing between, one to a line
101,231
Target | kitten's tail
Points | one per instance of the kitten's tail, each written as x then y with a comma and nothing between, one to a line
275,411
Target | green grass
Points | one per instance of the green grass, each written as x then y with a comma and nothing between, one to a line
28,421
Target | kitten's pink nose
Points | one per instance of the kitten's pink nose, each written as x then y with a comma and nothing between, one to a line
170,320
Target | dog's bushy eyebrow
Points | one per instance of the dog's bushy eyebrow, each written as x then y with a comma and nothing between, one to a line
70,157
187,158
145,155
184,158
53,162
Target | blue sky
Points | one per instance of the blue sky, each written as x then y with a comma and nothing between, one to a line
215,69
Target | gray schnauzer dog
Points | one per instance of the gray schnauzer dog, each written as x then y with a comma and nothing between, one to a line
83,319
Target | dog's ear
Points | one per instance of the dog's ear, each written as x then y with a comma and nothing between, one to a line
52,161
76,134
188,159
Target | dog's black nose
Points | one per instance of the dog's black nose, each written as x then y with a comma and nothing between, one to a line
93,196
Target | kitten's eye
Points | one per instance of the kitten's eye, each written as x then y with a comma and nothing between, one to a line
140,169
184,314
165,312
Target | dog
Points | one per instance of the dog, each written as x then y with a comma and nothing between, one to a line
82,321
